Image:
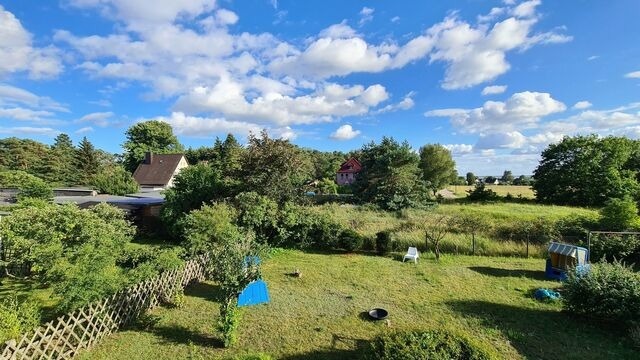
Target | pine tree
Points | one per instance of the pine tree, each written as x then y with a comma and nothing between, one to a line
61,165
86,158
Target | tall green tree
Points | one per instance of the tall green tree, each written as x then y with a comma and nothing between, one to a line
148,136
587,171
25,155
61,165
86,161
390,176
507,177
438,167
471,178
274,168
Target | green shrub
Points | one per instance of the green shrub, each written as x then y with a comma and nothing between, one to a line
30,187
480,193
17,318
350,240
610,291
418,345
383,242
114,180
620,215
610,247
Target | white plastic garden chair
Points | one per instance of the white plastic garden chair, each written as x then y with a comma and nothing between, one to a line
412,254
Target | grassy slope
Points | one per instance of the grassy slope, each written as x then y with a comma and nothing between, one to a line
318,316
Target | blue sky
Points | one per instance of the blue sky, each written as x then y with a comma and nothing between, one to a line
494,81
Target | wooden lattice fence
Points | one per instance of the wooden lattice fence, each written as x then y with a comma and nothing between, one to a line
81,329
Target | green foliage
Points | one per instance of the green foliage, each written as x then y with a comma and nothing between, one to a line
148,136
229,322
437,166
507,177
275,168
615,247
620,215
209,226
390,177
74,250
61,163
24,155
610,291
383,242
350,240
144,263
327,186
481,193
28,185
114,180
192,187
434,344
471,178
17,317
86,161
259,214
587,170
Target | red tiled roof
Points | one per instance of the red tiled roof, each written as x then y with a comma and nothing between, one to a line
350,166
159,170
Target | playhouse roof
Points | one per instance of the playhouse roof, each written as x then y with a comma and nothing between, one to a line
565,249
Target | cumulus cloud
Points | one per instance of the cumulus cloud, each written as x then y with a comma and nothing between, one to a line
405,104
457,149
506,140
206,127
580,105
344,132
521,111
494,89
19,54
633,75
366,15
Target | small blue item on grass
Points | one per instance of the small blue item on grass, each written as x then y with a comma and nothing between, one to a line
546,294
254,294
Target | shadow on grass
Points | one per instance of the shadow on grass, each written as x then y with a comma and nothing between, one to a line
204,291
540,334
358,349
174,334
498,272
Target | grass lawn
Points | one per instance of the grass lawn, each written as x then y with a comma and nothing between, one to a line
29,289
320,315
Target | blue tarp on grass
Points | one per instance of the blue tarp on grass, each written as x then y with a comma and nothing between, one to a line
254,294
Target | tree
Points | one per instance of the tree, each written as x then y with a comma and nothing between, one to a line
521,180
587,171
620,215
274,168
472,224
507,177
28,185
60,164
438,167
86,161
435,232
471,178
192,187
390,176
114,180
148,136
25,155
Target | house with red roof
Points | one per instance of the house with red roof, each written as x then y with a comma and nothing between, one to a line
348,171
157,171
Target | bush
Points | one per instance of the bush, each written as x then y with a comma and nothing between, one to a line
383,242
114,180
350,240
620,215
612,247
30,187
480,193
17,318
610,291
434,344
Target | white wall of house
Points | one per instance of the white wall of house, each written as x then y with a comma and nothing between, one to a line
181,165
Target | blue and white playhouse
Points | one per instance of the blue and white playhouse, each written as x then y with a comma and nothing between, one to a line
564,258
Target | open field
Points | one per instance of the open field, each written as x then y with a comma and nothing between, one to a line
525,192
408,225
319,316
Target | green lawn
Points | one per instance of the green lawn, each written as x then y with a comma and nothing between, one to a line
319,316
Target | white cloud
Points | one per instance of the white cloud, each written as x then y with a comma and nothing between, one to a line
11,95
206,127
521,111
29,131
226,17
84,130
506,140
18,53
633,75
593,57
366,15
18,113
101,119
344,132
395,19
405,104
457,149
580,105
494,89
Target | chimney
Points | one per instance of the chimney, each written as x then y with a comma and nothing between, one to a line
148,157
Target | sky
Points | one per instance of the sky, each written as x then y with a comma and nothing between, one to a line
493,81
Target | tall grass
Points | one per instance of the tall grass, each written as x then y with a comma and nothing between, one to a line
408,226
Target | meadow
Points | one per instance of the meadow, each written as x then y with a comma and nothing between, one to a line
517,191
320,315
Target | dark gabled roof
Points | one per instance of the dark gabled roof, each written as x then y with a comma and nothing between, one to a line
158,171
350,166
